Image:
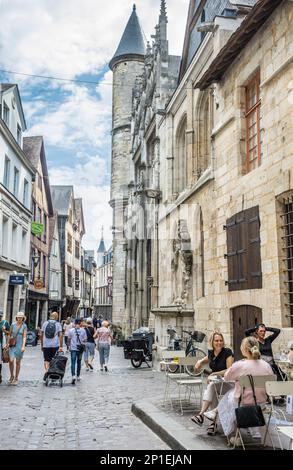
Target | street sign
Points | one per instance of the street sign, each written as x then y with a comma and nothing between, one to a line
37,228
38,284
110,280
16,280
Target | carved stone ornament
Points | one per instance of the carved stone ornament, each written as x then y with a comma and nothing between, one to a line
181,265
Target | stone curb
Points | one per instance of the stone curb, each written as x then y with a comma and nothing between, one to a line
171,432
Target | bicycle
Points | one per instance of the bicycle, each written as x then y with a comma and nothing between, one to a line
191,351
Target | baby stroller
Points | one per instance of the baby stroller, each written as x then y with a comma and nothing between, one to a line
56,370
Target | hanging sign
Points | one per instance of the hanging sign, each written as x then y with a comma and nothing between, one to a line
38,284
37,228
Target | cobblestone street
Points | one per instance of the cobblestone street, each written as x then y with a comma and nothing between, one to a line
94,414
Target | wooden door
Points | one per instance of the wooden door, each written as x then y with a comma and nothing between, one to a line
244,317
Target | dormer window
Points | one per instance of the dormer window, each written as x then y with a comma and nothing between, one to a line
6,113
18,134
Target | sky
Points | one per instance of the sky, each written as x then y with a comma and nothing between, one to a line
75,39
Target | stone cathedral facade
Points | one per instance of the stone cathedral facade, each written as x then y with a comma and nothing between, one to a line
202,163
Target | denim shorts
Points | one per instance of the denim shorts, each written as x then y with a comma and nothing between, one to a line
89,350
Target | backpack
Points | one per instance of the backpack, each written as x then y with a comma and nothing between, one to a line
50,330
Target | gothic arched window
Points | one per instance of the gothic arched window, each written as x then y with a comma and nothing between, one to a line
204,130
180,165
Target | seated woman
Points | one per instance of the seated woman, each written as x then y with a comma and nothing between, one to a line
251,365
219,359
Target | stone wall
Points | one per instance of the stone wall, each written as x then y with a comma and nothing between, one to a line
224,189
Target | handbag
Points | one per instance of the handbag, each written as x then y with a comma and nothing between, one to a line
12,340
249,416
80,347
5,355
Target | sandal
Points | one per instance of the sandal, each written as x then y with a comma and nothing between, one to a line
198,419
11,380
212,429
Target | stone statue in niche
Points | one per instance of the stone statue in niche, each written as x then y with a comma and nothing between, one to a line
181,265
156,166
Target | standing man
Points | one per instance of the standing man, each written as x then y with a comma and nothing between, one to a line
51,339
4,331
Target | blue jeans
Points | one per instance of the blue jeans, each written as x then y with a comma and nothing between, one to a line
104,350
76,358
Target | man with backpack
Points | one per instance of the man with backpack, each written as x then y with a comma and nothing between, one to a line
51,339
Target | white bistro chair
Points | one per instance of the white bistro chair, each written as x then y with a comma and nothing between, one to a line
275,389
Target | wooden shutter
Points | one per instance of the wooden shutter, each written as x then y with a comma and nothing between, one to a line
253,249
232,242
243,250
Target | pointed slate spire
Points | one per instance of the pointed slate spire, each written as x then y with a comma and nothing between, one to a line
132,43
102,247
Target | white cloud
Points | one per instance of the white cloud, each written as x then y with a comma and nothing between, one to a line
68,38
87,179
80,119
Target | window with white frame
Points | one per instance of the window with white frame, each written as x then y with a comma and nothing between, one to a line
23,246
5,227
25,193
14,250
18,134
15,182
6,179
6,114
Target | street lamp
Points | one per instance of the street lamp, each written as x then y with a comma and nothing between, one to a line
36,259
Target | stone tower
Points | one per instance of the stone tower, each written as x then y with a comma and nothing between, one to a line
127,64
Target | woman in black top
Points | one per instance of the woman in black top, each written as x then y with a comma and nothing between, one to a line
90,345
265,344
219,359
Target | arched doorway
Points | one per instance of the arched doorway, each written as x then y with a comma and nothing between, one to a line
244,317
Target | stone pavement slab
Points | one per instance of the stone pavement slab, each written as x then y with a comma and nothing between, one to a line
94,414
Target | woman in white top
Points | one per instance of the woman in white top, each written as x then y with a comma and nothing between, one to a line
104,336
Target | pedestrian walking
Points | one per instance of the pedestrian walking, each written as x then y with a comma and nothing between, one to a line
51,340
17,340
95,322
90,345
4,332
104,336
77,339
67,326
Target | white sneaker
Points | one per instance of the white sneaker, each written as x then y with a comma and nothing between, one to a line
211,415
237,441
78,379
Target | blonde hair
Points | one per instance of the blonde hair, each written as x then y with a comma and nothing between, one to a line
105,323
250,345
212,338
54,316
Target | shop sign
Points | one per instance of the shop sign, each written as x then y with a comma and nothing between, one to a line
38,284
54,294
16,280
37,228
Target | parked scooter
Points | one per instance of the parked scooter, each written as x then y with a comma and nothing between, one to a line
138,347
